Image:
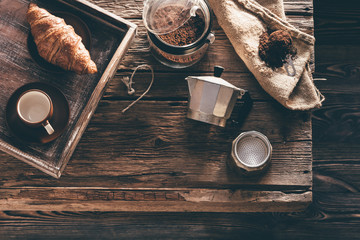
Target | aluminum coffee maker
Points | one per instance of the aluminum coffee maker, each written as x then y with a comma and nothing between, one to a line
211,98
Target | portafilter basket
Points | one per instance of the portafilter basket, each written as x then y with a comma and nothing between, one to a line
251,153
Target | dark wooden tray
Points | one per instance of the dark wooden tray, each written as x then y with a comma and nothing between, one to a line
111,36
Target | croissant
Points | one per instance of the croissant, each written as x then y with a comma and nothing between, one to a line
57,42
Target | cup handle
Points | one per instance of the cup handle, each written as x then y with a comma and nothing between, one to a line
49,129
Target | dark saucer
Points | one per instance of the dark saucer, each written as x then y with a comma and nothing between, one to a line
80,28
58,121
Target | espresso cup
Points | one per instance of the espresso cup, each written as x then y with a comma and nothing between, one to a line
34,108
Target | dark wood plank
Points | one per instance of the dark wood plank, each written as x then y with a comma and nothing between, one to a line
337,22
326,219
167,156
340,65
177,83
337,123
133,9
334,215
169,150
187,200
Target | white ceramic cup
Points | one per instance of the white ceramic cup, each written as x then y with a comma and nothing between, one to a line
34,107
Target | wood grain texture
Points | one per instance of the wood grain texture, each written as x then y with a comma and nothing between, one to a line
187,200
154,159
162,157
338,22
133,9
334,213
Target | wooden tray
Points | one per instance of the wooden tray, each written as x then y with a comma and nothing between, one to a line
110,38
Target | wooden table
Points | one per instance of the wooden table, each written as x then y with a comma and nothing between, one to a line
155,159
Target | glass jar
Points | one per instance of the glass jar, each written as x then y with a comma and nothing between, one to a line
179,31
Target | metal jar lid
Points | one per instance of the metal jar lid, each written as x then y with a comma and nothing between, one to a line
251,153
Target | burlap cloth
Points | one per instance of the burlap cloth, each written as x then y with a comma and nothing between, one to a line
244,21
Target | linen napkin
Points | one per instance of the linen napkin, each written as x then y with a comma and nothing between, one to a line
244,21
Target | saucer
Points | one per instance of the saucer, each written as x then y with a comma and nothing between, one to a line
80,28
58,121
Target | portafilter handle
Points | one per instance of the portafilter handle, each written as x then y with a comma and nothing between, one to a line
245,109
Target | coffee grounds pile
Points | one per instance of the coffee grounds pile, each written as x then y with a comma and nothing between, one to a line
187,33
275,48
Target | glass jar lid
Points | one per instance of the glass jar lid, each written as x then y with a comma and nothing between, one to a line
164,16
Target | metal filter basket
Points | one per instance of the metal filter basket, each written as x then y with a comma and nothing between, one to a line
251,153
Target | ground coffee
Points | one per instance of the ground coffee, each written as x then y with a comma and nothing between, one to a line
180,51
275,48
187,33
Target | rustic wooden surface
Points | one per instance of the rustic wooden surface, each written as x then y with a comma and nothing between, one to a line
155,159
334,213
